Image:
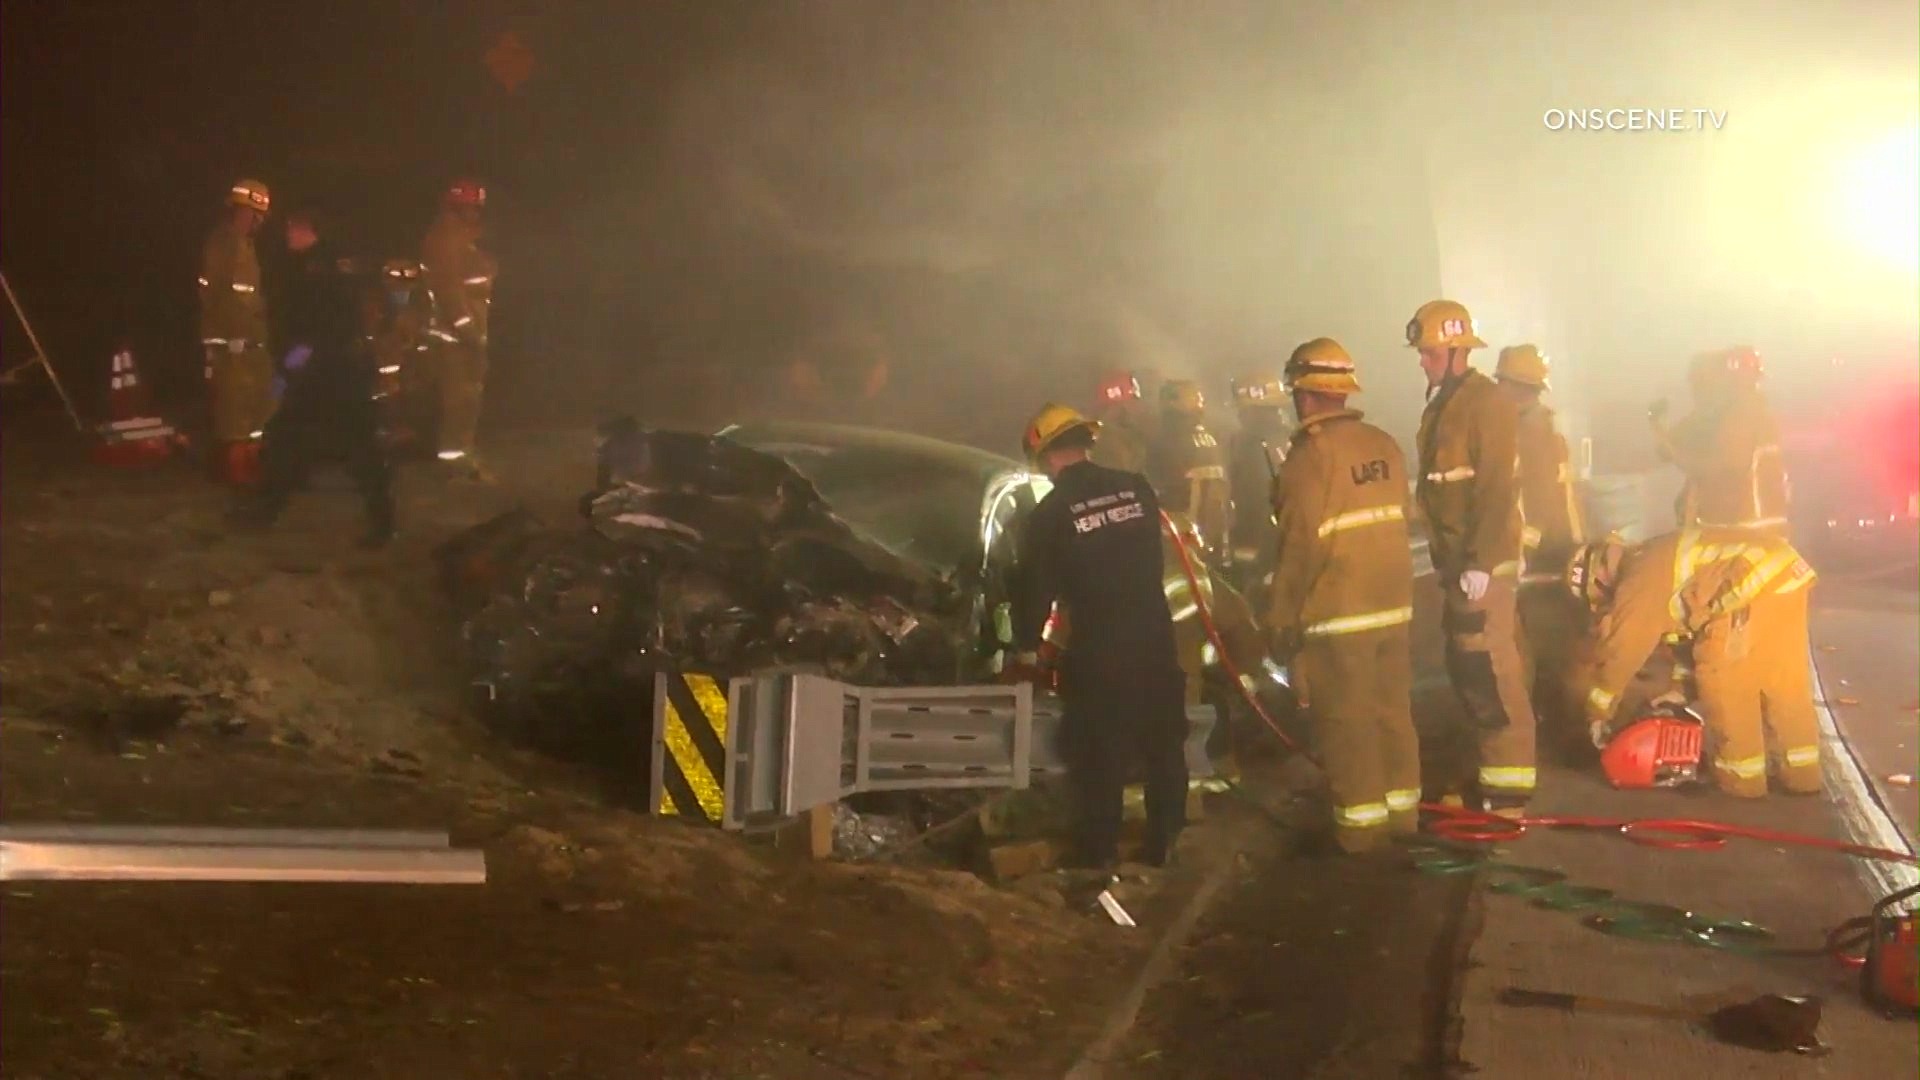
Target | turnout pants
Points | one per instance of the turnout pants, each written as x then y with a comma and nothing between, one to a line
1488,674
1552,626
460,369
296,443
1118,720
1756,694
242,387
1358,692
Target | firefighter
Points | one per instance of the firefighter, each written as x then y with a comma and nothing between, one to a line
1342,598
459,275
1123,434
1742,599
1093,545
1470,497
1728,447
399,347
1553,527
233,331
328,410
1254,454
1188,468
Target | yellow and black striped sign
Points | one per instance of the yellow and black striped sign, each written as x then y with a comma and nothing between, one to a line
690,742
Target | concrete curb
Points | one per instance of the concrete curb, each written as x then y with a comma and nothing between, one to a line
1856,798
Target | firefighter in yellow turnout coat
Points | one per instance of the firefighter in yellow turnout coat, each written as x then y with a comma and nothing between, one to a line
1728,447
1342,597
460,277
1551,621
1469,492
1188,467
233,324
1742,598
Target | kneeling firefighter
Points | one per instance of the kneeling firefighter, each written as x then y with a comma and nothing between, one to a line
1742,599
1342,598
1093,545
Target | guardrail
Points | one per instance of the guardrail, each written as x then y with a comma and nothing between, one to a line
773,746
180,853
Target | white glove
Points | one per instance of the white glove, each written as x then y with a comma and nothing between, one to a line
1474,583
1597,731
236,346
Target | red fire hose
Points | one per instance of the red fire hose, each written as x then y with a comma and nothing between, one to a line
1474,826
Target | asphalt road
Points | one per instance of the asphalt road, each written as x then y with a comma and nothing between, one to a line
1867,642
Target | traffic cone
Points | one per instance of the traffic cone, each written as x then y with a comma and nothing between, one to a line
132,436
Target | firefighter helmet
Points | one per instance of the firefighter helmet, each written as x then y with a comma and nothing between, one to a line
251,194
1740,363
1259,389
1442,324
466,192
1052,421
1183,396
1653,751
1118,387
1594,568
401,270
1523,364
1322,366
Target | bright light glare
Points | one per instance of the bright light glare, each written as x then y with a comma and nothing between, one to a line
1881,199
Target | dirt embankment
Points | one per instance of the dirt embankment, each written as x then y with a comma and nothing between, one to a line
158,669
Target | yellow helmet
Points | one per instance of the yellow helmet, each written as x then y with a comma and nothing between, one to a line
1322,366
401,270
1052,421
1524,364
1182,396
1261,389
251,194
1442,324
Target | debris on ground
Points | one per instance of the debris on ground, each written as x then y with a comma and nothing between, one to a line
1770,1022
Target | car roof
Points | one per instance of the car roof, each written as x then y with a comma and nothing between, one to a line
984,464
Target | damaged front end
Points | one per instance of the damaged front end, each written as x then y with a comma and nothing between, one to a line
699,554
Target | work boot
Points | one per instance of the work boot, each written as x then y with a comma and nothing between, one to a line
1157,852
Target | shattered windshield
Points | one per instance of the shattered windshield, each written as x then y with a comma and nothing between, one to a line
921,498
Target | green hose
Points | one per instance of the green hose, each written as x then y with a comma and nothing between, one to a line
1549,890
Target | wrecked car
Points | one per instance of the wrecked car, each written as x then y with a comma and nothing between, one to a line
872,556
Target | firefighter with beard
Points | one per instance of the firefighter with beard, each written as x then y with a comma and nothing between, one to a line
1341,602
1553,527
1728,447
1188,467
1254,454
233,332
1741,597
1093,546
1469,495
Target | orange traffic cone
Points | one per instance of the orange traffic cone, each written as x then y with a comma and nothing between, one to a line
132,436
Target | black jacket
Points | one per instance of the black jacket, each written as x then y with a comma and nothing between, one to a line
322,301
1094,543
